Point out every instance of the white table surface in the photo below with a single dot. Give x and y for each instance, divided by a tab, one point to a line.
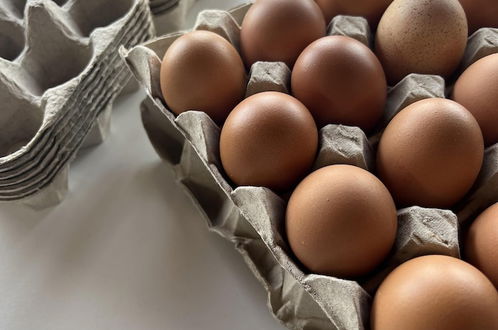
125	249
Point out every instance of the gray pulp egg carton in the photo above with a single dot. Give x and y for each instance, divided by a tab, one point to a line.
60	72
253	217
170	15
160	6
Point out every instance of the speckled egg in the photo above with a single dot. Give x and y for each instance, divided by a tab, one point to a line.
423	36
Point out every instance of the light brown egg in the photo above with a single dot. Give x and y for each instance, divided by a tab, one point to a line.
436	293
341	81
372	10
278	30
430	154
202	71
424	36
481	243
481	13
341	221
477	90
269	140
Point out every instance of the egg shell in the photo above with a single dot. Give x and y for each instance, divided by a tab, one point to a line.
341	221
341	81
437	293
481	243
477	90
278	30
430	153
372	10
480	13
202	71
425	36
270	139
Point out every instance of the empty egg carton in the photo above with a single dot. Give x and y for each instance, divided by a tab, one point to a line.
59	75
253	217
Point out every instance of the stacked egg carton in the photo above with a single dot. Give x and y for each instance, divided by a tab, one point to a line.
253	217
59	75
169	15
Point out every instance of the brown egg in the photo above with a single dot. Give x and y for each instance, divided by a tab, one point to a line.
269	140
481	244
477	90
481	13
202	71
341	221
340	81
436	293
372	10
278	30
425	36
430	153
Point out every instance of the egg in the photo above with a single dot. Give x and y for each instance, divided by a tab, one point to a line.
430	153
341	81
477	90
202	71
270	140
481	243
372	10
341	221
437	293
278	30
481	13
424	36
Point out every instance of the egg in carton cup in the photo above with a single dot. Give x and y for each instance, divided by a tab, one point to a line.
59	75
253	217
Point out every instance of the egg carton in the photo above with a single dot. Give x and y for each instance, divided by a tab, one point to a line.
170	15
253	217
60	72
160	6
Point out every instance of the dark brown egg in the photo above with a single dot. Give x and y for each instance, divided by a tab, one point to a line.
477	90
372	10
481	244
341	82
341	221
436	293
424	36
269	140
481	13
278	30
202	71
430	153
